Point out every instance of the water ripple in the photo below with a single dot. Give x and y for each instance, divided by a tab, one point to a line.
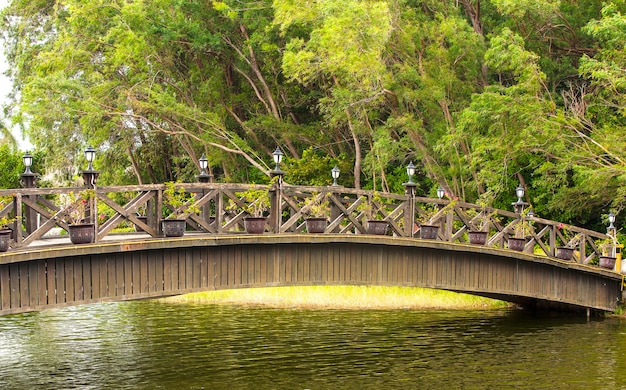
150	345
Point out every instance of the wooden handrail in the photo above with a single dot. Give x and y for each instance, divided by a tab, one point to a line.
349	210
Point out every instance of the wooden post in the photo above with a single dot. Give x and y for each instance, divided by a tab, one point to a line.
29	181
409	220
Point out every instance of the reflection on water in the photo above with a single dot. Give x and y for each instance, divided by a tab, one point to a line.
150	345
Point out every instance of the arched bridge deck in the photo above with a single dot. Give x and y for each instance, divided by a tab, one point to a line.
55	276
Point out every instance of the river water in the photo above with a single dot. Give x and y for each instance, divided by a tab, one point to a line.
153	345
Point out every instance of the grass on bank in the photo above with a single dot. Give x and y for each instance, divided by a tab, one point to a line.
342	297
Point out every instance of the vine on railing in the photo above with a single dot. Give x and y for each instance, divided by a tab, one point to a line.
219	208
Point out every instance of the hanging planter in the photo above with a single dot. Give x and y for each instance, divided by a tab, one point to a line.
316	225
173	227
478	238
429	232
83	233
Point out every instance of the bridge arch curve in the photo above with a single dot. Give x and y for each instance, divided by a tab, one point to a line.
159	267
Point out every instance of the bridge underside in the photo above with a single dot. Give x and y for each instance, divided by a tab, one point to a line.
163	267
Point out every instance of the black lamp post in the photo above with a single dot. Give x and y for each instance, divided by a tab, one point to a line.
519	205
278	158
335	174
28	180
28	177
90	175
409	189
204	177
611	229
276	193
440	192
410	171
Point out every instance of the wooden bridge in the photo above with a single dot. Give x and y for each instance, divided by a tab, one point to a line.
42	269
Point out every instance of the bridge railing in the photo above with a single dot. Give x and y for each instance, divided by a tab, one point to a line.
41	211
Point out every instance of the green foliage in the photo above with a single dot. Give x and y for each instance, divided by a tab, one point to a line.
255	202
11	167
316	205
477	98
313	168
180	202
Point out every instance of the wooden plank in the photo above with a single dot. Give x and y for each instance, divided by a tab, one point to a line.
5	290
282	266
24	285
160	270
167	270
51	284
188	268
305	255
288	260
128	273
204	267
143	272
263	255
87	279
152	278
14	275
223	267
211	267
78	279
177	283
104	276
235	274
119	275
111	283
33	279
257	268
95	277
70	294
251	260
60	281
245	265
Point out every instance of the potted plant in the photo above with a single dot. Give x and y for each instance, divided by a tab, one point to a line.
317	209
566	251
255	204
180	205
5	232
427	228
479	230
80	230
522	230
374	222
607	248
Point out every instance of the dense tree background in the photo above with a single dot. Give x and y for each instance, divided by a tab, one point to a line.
479	94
